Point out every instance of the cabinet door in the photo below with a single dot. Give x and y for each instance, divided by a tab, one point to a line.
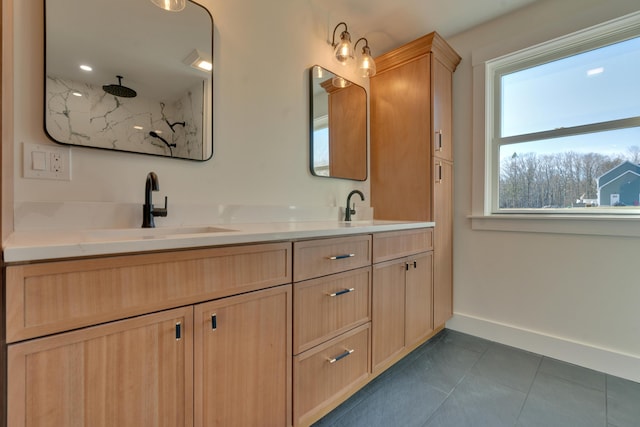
243	360
419	288
387	314
401	142
442	110
136	372
443	243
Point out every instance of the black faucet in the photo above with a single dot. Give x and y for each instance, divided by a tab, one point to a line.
148	211
349	211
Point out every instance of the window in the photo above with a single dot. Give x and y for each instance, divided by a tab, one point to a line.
563	125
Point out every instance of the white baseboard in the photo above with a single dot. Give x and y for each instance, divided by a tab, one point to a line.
600	359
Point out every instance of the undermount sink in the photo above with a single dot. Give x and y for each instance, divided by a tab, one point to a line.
152	233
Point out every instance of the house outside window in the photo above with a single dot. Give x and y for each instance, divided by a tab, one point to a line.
563	125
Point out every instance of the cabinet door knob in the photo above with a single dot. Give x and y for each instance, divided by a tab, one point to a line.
341	356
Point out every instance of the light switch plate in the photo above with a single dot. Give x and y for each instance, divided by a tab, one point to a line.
42	161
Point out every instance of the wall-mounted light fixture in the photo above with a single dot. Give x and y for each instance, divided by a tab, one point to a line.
366	64
170	5
343	51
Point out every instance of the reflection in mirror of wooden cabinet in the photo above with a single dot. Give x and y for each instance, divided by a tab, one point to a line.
338	124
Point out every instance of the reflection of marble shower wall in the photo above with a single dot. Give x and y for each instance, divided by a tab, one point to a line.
97	119
188	109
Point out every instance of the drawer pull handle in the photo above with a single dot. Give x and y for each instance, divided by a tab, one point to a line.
342	256
342	292
214	322
342	356
178	331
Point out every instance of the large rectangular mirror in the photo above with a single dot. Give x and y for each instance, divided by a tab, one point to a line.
338	126
124	75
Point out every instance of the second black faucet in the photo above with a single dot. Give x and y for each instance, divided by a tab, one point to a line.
349	211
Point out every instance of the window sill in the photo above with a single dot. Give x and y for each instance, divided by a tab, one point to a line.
596	225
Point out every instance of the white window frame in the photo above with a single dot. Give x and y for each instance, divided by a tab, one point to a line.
485	213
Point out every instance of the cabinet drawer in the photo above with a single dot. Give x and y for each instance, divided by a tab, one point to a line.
329	306
328	373
397	244
51	297
315	258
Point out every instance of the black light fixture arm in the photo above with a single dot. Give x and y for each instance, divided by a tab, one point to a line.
333	39
366	44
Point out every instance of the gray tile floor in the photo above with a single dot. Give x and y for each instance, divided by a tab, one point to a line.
457	380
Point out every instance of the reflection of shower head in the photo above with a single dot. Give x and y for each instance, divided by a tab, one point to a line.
119	90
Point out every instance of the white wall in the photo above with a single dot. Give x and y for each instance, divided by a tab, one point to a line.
262	51
573	297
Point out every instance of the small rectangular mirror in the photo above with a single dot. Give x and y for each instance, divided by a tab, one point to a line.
122	75
338	126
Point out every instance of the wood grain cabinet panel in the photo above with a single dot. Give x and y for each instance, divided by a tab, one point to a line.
396	244
327	374
412	148
243	360
129	373
320	257
329	306
402	307
387	315
51	297
443	243
419	298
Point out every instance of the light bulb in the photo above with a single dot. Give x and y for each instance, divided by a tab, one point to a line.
366	64
343	51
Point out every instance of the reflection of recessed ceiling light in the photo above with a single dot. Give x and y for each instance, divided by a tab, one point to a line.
138	127
595	71
76	94
199	61
86	68
205	65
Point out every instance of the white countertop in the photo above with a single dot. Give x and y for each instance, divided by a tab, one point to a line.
24	246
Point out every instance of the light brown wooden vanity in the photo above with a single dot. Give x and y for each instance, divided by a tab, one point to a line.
269	334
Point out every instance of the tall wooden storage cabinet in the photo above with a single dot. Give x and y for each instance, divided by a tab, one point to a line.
411	148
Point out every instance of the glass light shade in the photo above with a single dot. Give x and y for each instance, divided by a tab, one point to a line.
170	5
340	82
343	51
366	64
318	72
